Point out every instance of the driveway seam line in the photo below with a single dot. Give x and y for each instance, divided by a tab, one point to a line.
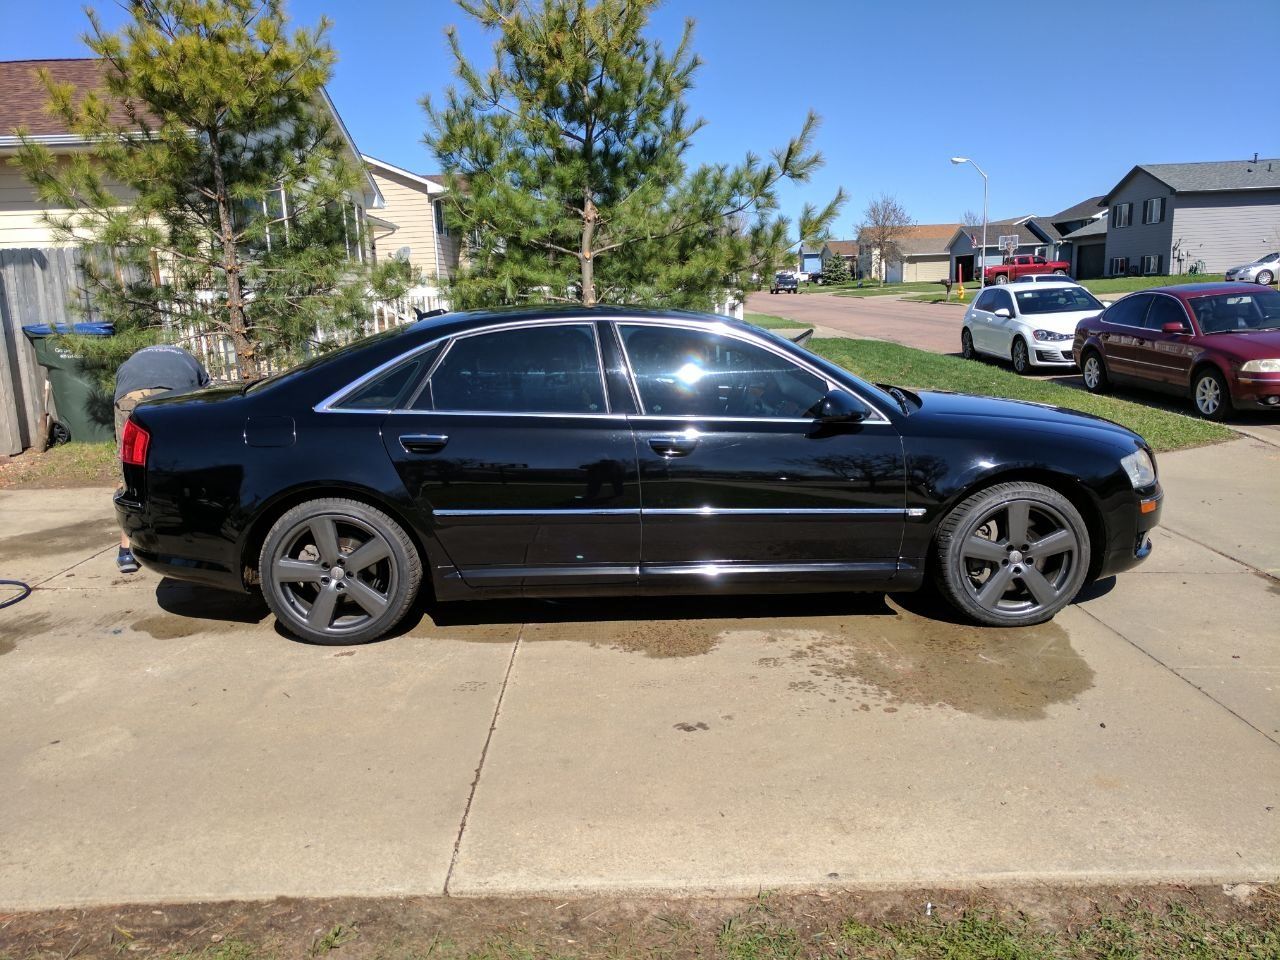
484	753
54	576
1244	563
1208	696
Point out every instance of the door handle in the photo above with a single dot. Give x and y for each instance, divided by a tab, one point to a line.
423	442
673	446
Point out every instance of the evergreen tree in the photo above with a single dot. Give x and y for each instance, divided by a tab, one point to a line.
566	162
221	202
835	269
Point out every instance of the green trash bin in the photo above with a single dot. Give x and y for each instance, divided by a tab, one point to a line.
85	410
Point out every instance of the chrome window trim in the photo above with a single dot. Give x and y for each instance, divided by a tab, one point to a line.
683	511
329	403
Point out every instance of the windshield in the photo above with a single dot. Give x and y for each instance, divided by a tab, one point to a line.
1238	312
1056	300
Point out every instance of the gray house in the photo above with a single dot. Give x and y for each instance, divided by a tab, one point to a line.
1166	217
1036	236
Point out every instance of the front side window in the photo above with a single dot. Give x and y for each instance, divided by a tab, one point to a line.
1000	299
550	369
693	373
1056	300
1165	310
985	300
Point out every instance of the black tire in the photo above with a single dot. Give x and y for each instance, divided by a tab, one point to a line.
773	291
983	570
1210	395
966	345
1094	372
1020	355
307	560
1265	277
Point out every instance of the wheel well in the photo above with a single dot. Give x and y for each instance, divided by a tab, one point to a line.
1070	489
263	523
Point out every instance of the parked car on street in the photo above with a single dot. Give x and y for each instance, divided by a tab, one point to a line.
608	451
1030	325
784	282
1264	270
1023	265
1216	343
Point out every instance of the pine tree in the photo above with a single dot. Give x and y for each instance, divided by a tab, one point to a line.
835	269
221	203
566	166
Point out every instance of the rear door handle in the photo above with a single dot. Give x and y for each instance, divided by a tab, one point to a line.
673	446
423	442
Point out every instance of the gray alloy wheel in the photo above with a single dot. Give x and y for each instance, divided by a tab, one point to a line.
1265	277
338	571
966	344
1021	359
1013	554
1094	373
1210	395
1001	278
1059	272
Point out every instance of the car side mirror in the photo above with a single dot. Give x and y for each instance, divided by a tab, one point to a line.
1175	326
838	406
1106	303
1003	312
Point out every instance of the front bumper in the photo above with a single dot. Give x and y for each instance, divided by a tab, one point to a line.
1129	541
1256	391
1052	354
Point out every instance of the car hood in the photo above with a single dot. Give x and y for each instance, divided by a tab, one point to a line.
946	408
1058	322
1241	347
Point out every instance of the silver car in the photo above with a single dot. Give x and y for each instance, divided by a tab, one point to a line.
1264	270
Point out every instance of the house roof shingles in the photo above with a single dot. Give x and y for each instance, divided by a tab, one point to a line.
1084	210
1094	228
1217	175
24	102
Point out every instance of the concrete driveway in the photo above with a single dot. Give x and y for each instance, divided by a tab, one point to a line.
163	742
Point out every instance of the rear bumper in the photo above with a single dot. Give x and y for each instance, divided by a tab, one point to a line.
171	555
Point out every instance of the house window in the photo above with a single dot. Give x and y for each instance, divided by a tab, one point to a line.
437	212
1153	210
1119	266
1122	215
1152	264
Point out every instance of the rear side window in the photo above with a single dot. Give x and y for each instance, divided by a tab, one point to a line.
1128	312
550	369
391	389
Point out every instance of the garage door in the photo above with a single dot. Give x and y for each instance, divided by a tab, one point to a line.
1089	261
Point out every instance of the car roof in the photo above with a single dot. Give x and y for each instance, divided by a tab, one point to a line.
1050	284
1186	290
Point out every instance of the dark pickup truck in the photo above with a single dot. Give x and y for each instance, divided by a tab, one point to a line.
784	283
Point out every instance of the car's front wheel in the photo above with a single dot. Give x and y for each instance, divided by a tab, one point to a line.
966	345
1021	357
1210	394
1012	555
1094	373
1265	277
338	571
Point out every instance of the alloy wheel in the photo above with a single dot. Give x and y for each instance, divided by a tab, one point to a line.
1021	361
334	573
966	344
1265	277
1092	372
1208	395
1020	558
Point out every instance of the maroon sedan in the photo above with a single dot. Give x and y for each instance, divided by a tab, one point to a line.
1212	342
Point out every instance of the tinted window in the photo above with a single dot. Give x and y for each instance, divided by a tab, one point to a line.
693	373
1056	300
1165	310
1129	311
984	300
1000	298
1230	312
391	389
552	369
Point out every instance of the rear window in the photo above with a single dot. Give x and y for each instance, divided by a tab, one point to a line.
1056	300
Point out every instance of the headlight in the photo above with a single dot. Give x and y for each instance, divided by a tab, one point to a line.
1050	336
1140	468
1261	366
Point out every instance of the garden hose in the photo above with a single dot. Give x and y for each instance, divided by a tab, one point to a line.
24	591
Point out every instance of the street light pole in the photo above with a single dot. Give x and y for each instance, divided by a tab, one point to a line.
982	276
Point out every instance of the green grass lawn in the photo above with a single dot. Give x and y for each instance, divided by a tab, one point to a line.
881	290
882	362
770	322
1129	284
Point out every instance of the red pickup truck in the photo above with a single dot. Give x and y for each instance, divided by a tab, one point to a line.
1022	265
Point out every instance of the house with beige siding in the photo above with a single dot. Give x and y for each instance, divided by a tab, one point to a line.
920	256
417	230
1167	217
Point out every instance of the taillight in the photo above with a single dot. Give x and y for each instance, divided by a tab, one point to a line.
134	444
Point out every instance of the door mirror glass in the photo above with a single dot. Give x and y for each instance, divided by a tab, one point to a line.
1004	312
838	406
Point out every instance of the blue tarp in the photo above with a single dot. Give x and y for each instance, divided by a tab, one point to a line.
96	329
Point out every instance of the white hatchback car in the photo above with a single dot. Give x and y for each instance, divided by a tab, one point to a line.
1031	325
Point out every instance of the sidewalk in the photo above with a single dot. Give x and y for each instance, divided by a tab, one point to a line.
167	743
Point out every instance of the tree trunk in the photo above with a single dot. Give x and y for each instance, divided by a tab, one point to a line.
238	325
585	257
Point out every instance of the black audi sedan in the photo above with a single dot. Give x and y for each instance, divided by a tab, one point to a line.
609	451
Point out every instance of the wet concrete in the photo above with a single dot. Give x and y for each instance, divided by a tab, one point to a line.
67	538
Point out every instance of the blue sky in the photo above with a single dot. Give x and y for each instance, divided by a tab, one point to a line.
1056	100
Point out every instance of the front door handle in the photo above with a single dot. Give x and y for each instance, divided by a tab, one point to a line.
677	446
423	442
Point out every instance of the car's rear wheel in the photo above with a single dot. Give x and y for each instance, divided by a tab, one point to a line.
1001	278
1094	373
338	571
1059	272
1265	277
1210	395
1012	555
1021	357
